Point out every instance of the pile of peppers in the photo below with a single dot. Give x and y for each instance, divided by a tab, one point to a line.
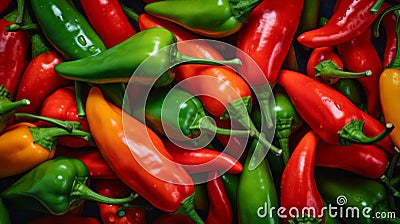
75	149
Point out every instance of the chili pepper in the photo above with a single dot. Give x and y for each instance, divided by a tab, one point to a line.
256	192
201	201
64	219
299	174
61	104
220	208
202	160
349	19
55	187
209	18
352	89
39	76
118	63
326	66
290	61
358	55
112	213
4	216
367	195
97	166
389	22
174	195
7	107
231	182
172	219
365	160
330	114
67	29
13	49
309	16
267	34
32	145
4	4
108	20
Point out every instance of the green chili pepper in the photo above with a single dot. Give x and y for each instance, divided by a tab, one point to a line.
231	182
56	187
353	90
7	107
4	216
211	18
328	218
117	64
66	28
201	201
350	192
309	16
256	192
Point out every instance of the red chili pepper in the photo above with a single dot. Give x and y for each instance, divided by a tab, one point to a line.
349	19
4	4
365	160
389	22
172	219
61	105
298	187
64	219
108	20
359	55
97	166
13	49
202	160
39	76
325	65
329	113
112	213
220	208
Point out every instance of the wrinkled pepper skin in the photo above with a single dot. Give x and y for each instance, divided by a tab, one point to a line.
67	29
54	187
4	215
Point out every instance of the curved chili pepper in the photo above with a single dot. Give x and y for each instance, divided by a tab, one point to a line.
326	66
231	182
365	160
352	89
8	107
4	4
358	55
211	18
298	186
64	219
110	213
220	208
330	114
39	76
109	21
172	219
202	160
61	104
349	19
13	49
174	195
389	22
97	166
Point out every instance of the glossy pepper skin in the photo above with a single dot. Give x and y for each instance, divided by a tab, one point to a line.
13	49
299	174
220	208
4	215
66	28
108	20
64	219
54	187
330	114
353	90
349	20
210	18
310	15
167	196
389	21
364	160
8	107
39	76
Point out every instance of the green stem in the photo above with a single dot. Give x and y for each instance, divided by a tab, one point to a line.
5	93
187	208
67	125
205	124
375	29
38	45
392	189
16	27
241	9
264	98
352	133
395	63
284	143
186	59
392	166
21	10
130	12
78	97
375	8
328	69
8	106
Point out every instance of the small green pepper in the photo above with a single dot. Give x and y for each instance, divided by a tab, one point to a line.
56	187
7	107
353	90
4	216
155	47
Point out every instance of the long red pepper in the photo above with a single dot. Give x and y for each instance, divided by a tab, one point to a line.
349	19
13	49
203	160
298	187
112	213
358	55
220	208
39	76
365	160
329	113
109	21
389	21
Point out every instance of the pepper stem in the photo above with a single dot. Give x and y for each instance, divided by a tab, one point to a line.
352	133
67	125
78	97
283	131
241	9
205	124
81	190
264	97
21	10
130	12
5	93
38	45
328	69
16	27
375	8
187	208
8	106
391	188
186	59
